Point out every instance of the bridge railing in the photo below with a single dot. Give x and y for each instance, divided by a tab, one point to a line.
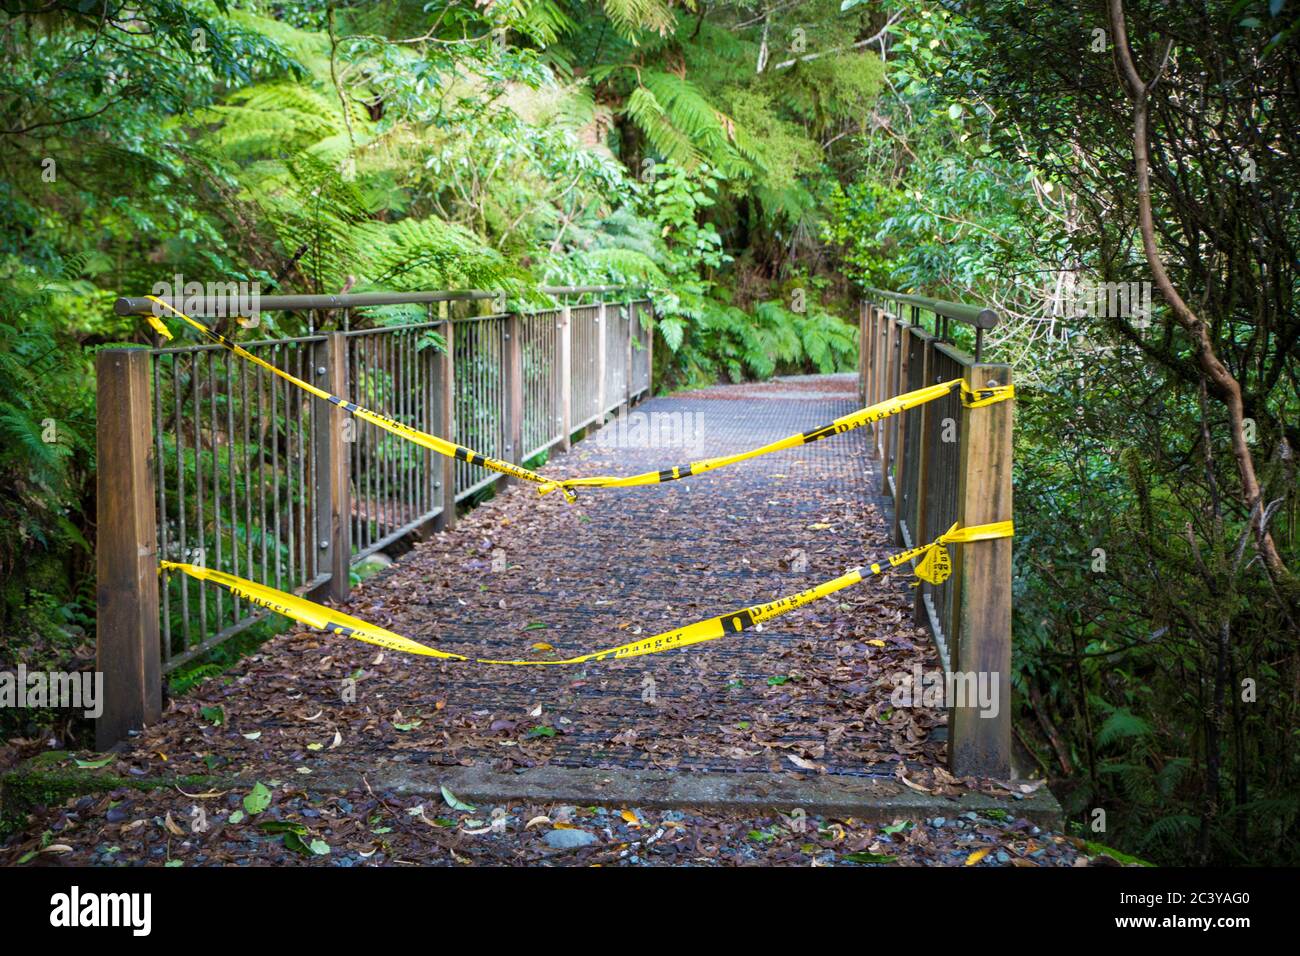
943	463
207	459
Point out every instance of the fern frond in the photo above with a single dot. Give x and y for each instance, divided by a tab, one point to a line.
1120	725
631	16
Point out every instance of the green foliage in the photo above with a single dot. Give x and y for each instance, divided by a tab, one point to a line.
998	168
313	147
721	157
707	339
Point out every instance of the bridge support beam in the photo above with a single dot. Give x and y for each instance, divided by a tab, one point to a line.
512	377
602	330
128	652
979	739
335	430
565	346
446	402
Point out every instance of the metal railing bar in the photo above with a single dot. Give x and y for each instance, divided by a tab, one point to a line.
395	535
217	306
260	343
978	316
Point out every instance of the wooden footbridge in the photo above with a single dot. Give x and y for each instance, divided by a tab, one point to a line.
206	459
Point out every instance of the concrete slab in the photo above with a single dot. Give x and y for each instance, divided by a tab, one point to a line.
869	799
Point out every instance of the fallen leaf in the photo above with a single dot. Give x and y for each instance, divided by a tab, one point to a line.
454	803
257	799
803	764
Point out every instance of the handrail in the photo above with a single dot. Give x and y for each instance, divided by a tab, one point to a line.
203	306
946	462
977	316
203	459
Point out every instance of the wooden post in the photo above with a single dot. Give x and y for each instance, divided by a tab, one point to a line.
512	374
901	444
447	415
566	377
335	431
627	360
862	353
889	367
128	652
650	354
928	429
980	744
601	323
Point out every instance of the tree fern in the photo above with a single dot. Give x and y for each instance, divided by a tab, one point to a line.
1122	724
628	266
644	109
631	16
430	254
275	118
684	127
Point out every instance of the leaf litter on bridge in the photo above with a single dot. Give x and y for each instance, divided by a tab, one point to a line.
523	577
297	826
810	693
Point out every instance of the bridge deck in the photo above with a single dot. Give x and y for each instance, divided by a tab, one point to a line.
745	735
807	694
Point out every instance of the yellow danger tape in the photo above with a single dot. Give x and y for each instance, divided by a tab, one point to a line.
307	612
846	423
972	398
991	395
935	566
421	438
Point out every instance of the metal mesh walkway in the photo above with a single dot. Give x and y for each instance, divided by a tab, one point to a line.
809	693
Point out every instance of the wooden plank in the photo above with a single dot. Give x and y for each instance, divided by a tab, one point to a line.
878	378
565	333
650	354
927	429
513	379
889	387
978	743
601	324
863	342
901	450
337	428
128	652
627	359
868	385
447	415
